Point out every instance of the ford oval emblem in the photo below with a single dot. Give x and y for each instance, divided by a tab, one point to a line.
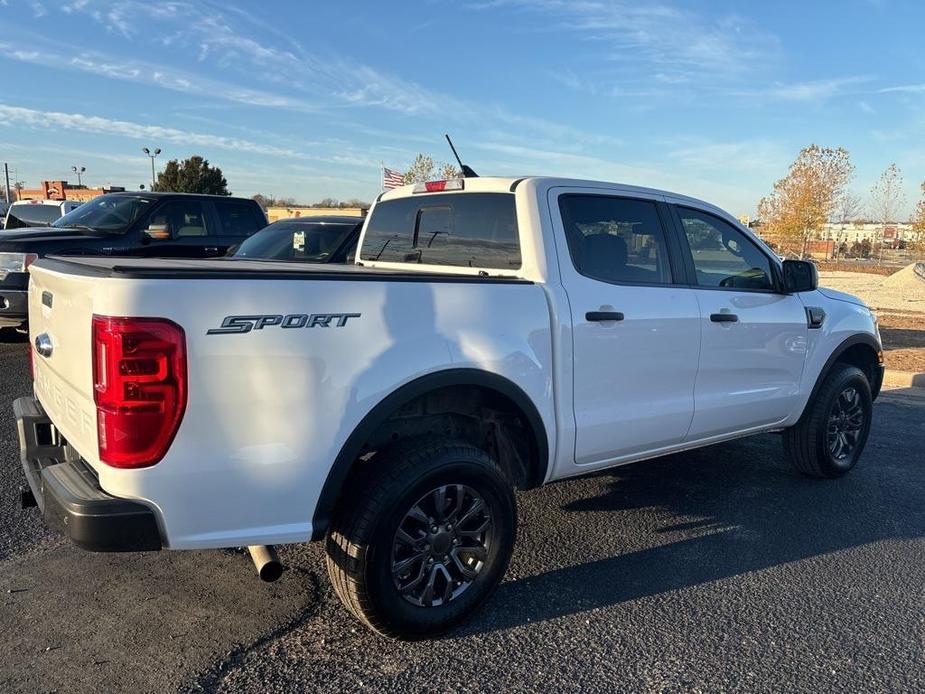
43	345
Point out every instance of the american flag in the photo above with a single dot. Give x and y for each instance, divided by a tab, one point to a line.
391	179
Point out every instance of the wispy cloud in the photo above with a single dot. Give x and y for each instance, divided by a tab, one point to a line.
659	38
905	89
44	120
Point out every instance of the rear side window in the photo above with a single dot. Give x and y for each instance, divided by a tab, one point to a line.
617	240
457	229
32	215
239	218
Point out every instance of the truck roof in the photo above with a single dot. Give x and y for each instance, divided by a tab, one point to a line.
502	184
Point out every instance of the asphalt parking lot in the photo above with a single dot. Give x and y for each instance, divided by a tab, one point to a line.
716	570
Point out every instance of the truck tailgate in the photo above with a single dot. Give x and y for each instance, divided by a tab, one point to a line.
60	316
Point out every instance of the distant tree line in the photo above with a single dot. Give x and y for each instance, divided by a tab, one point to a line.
266	201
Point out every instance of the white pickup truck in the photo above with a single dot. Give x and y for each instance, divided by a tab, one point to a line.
494	334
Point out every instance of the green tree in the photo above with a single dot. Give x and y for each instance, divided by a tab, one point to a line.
193	175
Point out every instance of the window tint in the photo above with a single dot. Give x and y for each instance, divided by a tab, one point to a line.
108	212
615	239
177	219
238	218
460	229
723	255
32	215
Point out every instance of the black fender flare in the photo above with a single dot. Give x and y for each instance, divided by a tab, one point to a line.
844	346
353	447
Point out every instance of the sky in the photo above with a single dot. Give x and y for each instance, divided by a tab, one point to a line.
306	99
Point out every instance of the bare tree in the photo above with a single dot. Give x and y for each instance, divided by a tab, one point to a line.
849	208
886	199
918	226
423	169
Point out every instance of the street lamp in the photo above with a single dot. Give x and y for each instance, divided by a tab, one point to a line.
153	156
78	170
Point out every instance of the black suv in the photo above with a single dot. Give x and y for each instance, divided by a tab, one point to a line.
154	225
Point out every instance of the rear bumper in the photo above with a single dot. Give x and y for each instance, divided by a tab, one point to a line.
69	495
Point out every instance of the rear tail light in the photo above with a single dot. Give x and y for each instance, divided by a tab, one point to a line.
139	386
28	259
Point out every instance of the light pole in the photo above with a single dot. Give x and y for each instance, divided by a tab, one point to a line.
78	170
153	156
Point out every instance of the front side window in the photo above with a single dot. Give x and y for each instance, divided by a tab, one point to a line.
723	255
457	229
177	219
616	240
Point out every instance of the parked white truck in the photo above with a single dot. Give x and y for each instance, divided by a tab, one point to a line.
494	334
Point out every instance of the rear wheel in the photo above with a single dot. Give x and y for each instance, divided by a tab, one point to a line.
424	537
831	435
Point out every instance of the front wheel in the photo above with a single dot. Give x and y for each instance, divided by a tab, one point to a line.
422	539
831	435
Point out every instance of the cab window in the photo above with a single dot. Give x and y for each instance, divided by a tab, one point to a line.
177	219
618	240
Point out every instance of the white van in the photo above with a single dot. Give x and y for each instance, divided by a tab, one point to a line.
37	213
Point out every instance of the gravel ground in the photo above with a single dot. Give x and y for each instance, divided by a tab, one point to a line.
713	570
877	291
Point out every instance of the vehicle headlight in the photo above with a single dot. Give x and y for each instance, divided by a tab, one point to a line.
16	262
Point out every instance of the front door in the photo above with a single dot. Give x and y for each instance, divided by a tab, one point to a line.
754	337
636	333
179	228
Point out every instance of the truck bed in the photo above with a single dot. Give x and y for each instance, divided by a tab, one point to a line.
233	268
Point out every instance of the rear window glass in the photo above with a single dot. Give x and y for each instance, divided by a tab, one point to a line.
458	229
32	215
297	241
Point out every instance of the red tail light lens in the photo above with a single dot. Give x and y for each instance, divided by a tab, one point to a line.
139	385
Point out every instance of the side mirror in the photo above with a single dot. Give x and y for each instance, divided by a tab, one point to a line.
800	276
158	231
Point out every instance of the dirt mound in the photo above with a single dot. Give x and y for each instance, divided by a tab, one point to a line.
911	277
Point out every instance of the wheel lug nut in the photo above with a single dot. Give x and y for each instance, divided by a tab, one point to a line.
433	529
455	541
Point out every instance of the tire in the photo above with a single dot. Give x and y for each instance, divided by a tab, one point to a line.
812	444
399	490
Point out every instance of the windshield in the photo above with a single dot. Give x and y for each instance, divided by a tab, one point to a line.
286	240
110	213
28	215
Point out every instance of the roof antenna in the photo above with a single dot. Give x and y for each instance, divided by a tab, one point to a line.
466	171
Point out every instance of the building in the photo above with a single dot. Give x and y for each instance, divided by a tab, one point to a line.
62	190
893	233
274	214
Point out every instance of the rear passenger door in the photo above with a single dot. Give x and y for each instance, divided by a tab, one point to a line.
635	327
754	337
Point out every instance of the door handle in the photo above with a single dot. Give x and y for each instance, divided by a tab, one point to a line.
599	316
724	318
211	249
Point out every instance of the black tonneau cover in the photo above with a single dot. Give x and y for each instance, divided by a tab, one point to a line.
243	269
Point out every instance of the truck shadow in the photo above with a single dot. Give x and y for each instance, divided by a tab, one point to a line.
725	511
